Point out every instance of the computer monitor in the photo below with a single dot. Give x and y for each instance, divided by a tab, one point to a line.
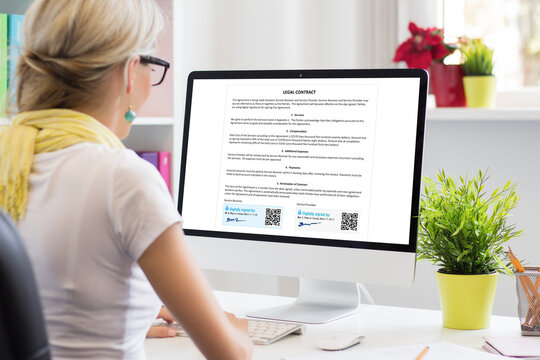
306	173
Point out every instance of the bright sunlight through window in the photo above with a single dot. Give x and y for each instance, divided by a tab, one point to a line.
511	27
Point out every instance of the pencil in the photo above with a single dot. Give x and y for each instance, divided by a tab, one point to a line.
421	355
514	260
537	282
533	314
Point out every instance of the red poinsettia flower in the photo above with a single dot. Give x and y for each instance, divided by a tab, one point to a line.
423	47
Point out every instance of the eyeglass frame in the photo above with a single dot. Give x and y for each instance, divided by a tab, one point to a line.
148	59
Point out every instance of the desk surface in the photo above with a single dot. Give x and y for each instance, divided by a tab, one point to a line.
382	326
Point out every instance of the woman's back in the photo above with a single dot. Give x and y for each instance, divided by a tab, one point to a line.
93	215
92	212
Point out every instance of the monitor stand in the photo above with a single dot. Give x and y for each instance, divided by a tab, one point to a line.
318	302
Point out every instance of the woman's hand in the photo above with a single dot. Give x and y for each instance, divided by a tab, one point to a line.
162	331
240	324
181	285
165	315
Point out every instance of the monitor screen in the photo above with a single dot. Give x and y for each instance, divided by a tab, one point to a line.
319	157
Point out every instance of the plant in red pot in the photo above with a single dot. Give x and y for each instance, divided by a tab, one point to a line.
426	49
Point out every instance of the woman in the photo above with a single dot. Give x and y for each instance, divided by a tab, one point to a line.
98	222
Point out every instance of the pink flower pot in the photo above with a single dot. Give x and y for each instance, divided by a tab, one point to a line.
447	85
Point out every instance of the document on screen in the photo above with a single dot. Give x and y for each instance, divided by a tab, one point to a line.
297	160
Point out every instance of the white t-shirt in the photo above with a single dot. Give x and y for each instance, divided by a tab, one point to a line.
92	212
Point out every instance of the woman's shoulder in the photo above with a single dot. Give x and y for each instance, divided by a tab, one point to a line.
86	150
88	153
97	158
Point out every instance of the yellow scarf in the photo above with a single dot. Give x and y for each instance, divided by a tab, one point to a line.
36	132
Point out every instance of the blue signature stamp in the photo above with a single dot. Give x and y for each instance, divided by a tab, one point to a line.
259	216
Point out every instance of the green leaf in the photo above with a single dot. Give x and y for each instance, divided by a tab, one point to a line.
455	230
478	59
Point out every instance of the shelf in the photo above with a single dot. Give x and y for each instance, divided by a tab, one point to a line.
144	121
472	114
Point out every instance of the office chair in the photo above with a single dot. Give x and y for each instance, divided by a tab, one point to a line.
22	328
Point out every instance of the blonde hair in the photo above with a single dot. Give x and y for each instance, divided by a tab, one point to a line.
70	46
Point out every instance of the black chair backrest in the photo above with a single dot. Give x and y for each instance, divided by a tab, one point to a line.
22	328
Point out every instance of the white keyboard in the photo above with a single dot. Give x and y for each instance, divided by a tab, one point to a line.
261	332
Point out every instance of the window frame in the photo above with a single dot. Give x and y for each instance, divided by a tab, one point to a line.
431	14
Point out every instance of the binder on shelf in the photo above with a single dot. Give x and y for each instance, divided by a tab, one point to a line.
151	157
15	43
3	62
164	167
162	161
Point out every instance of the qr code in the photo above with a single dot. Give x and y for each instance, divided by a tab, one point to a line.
349	221
273	217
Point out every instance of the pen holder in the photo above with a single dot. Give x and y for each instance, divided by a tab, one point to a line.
527	285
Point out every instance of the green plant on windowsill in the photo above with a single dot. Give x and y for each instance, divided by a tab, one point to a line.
479	82
477	58
463	230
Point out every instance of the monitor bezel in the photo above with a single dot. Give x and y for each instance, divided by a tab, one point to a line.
294	74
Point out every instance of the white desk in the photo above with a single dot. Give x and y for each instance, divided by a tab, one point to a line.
382	326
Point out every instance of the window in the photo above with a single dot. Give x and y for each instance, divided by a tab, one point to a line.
511	27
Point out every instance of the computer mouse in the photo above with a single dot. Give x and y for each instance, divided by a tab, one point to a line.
338	341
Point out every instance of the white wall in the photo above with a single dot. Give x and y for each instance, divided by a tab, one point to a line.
280	34
511	151
286	34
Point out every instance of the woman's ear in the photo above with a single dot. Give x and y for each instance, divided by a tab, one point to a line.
131	73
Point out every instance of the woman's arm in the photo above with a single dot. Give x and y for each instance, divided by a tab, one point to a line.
182	287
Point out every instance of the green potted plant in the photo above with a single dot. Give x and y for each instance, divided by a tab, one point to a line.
463	229
479	82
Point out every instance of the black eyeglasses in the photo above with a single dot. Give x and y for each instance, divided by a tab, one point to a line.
159	68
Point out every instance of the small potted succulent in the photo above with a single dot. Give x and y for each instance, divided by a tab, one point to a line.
463	229
479	82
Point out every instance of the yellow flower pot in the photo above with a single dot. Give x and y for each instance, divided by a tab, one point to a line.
480	91
466	300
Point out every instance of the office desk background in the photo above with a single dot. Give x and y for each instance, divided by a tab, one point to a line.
382	326
460	141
